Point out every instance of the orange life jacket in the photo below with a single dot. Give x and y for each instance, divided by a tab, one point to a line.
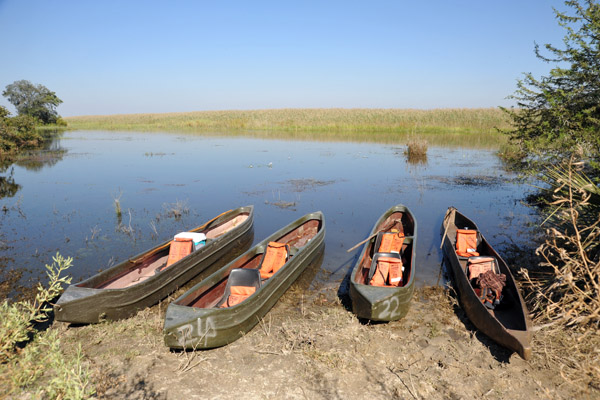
179	249
274	258
388	272
466	242
391	242
238	294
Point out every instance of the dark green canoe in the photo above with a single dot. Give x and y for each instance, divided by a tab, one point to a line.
195	321
142	281
386	303
508	324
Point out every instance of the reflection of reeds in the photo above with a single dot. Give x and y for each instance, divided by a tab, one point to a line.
416	150
475	127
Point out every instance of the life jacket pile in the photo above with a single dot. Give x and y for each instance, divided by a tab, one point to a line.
486	279
388	270
466	242
388	273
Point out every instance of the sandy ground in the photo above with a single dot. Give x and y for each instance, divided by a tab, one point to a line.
317	349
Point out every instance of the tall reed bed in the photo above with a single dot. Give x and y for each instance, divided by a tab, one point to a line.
484	120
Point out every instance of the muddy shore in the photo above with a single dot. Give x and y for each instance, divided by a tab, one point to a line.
313	348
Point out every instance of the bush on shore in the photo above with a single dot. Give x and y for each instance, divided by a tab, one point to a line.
31	362
19	133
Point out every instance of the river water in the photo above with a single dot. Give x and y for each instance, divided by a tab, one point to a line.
68	204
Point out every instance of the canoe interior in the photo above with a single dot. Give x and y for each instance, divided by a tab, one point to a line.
509	311
296	238
149	264
402	221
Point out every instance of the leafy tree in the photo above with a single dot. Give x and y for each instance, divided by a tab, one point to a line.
36	101
559	115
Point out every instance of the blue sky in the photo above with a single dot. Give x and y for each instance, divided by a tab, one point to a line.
114	57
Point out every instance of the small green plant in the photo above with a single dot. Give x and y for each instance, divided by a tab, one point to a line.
18	318
32	364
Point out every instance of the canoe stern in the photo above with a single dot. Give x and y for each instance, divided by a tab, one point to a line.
380	304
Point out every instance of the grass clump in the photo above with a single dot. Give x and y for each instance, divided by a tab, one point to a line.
117	203
31	362
176	210
416	150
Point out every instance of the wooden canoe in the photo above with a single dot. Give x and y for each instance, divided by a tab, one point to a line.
143	280
195	320
387	303
508	324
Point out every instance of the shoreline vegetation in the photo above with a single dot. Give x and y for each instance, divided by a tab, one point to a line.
477	127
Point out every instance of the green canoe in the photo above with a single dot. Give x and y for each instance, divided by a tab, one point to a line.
195	320
143	280
508	324
385	303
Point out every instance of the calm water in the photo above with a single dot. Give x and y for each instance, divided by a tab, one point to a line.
68	205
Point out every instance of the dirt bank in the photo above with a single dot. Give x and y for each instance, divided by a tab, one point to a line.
315	348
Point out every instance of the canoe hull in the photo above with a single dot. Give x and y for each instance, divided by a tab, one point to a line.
510	325
84	304
383	303
189	327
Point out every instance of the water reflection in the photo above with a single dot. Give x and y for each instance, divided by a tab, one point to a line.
8	187
416	159
69	205
34	160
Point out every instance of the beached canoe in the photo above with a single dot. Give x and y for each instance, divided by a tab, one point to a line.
145	279
389	302
508	323
203	317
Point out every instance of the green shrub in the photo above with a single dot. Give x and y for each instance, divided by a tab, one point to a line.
60	122
31	362
18	318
